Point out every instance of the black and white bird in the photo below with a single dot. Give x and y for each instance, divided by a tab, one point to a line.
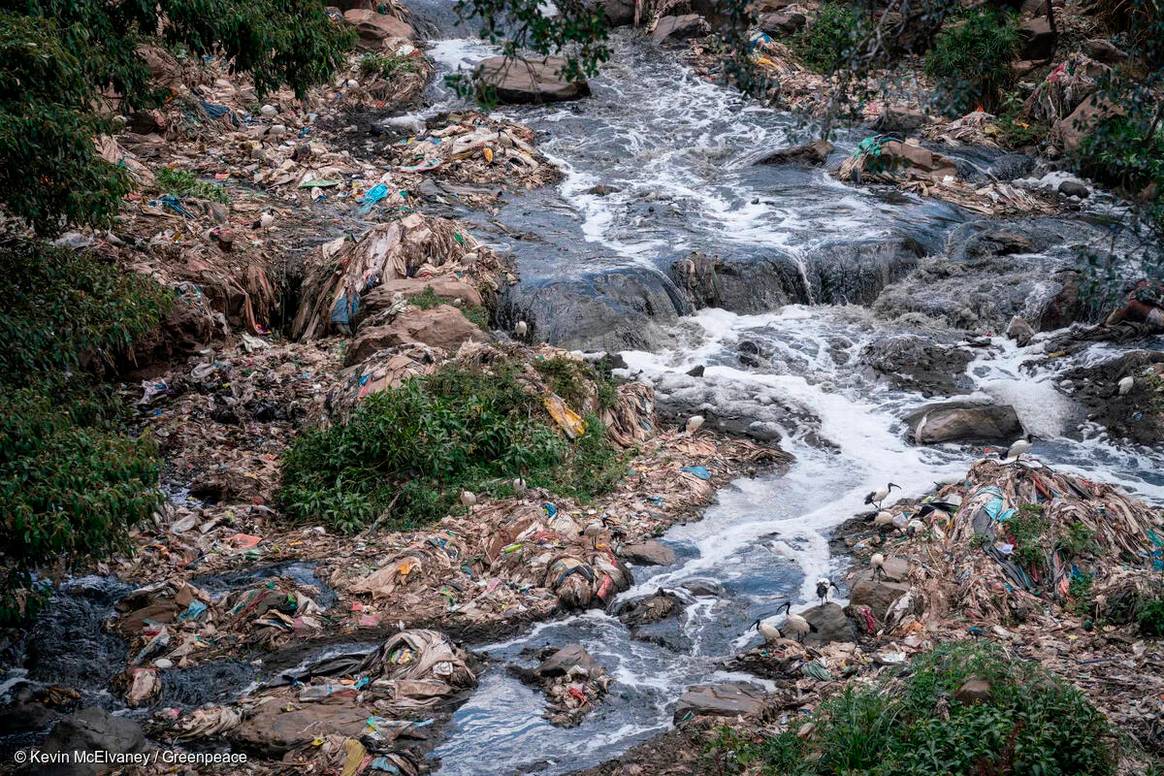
823	585
1019	447
769	631
795	624
876	497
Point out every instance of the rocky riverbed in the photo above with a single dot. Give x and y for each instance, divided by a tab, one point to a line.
777	340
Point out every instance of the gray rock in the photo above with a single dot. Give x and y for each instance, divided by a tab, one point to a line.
618	12
878	595
829	623
814	153
534	80
561	662
1019	330
973	691
704	588
1074	189
674	28
1104	51
650	609
899	119
93	729
730	699
648	553
919	363
786	21
962	421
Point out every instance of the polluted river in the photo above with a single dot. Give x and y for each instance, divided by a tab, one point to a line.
660	164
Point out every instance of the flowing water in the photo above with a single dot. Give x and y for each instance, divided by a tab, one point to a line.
677	155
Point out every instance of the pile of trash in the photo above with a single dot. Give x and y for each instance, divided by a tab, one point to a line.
474	148
573	681
348	282
361	708
909	166
977	128
1068	84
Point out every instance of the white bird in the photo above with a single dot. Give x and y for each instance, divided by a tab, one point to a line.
266	219
1126	385
519	486
823	584
877	563
1019	448
520	329
597	528
468	498
915	526
794	623
883	519
694	423
767	630
879	495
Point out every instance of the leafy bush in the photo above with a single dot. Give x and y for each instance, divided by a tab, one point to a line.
970	59
830	40
1026	530
385	66
571	379
183	183
1128	152
1079	589
1030	723
404	455
71	484
1079	540
1150	617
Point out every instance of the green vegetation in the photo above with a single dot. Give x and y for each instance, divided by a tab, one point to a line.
1150	617
57	57
831	39
403	457
71	483
572	379
1018	130
183	183
385	66
427	299
1026	530
1079	589
1079	540
970	59
1128	152
1030	722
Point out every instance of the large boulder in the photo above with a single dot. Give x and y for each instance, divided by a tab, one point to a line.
374	30
648	553
784	22
729	699
530	80
1037	39
1071	131
878	594
442	327
618	12
674	28
963	421
829	623
919	363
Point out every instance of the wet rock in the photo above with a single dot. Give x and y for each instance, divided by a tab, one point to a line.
650	609
443	326
729	406
649	553
534	80
90	730
730	699
602	190
675	28
878	594
814	153
568	659
1036	39
1136	415
920	364
630	308
697	370
1020	331
703	588
973	691
1074	189
829	623
1010	166
963	421
572	680
374	30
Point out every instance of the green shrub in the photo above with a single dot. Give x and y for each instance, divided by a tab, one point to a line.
1027	529
1030	723
571	379
404	455
1078	540
970	59
1079	589
1123	152
831	39
474	313
1150	617
385	66
72	485
183	183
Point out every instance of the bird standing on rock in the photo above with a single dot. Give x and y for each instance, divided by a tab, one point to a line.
877	563
822	589
1126	385
879	495
794	623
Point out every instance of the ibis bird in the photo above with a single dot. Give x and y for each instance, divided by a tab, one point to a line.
884	519
1019	447
595	528
915	526
694	423
767	630
519	486
879	495
794	623
520	329
1126	385
877	563
468	498
822	589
